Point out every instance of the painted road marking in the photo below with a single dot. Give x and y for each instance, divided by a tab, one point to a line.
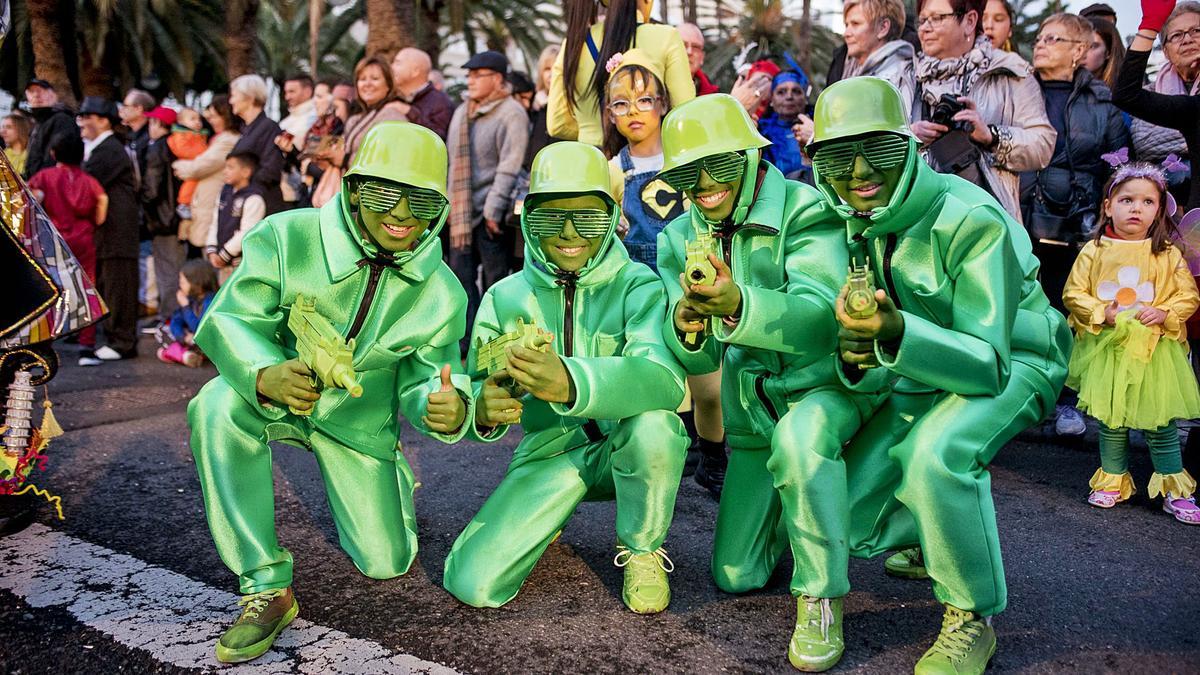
173	617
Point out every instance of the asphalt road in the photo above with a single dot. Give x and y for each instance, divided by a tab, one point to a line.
1090	590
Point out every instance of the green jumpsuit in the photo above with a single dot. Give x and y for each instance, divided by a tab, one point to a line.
982	357
620	439
786	413
406	313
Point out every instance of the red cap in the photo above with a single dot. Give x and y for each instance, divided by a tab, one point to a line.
162	114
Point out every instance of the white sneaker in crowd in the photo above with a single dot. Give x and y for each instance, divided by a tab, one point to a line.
87	358
107	353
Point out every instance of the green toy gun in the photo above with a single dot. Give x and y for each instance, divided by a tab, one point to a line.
860	297
698	270
322	349
493	356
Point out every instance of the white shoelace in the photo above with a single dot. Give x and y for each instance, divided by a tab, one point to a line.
624	555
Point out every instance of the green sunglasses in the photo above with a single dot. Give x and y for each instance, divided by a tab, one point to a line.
723	168
836	160
589	223
423	203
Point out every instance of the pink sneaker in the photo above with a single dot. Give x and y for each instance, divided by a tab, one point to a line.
1183	508
1105	499
174	353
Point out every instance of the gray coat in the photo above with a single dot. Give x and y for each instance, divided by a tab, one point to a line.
498	140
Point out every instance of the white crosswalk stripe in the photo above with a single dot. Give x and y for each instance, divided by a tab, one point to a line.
174	618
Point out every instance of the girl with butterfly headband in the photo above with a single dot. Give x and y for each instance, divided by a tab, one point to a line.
1129	295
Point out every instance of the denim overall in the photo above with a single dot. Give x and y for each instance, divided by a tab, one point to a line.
649	204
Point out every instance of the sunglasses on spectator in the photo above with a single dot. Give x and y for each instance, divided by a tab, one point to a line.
725	167
622	107
1177	36
836	160
423	203
544	223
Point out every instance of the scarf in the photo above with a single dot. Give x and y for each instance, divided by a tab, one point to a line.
461	221
953	76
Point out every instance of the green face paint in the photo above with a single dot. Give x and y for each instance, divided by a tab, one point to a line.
385	213
716	200
866	187
567	249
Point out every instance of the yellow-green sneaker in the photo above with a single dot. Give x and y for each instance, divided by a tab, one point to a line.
817	643
964	647
907	563
263	616
646	588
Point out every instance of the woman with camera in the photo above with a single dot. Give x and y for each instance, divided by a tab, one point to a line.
979	111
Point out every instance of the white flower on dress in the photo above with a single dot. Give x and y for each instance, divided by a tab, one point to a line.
1128	290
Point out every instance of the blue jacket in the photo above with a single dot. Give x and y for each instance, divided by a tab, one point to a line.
186	319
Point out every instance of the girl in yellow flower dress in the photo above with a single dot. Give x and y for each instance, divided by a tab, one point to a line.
1129	294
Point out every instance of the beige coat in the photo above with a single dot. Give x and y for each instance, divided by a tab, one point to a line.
207	168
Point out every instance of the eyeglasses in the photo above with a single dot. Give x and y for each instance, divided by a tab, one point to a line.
589	223
723	168
934	20
622	107
1177	36
423	203
836	160
1051	40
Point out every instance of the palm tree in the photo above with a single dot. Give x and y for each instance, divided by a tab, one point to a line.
49	62
241	17
389	26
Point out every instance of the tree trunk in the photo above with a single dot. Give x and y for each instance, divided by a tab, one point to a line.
389	27
316	10
691	13
48	61
806	36
427	36
95	79
241	17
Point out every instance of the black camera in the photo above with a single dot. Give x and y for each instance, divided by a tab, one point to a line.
945	109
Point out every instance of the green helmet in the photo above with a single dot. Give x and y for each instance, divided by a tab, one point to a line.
858	106
707	125
570	167
405	153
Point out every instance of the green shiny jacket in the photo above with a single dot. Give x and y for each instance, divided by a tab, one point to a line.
406	313
789	259
964	276
607	325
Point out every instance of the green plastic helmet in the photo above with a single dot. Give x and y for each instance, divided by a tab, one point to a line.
405	153
857	106
707	125
570	167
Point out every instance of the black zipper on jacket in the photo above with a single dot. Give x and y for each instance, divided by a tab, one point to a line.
364	305
567	282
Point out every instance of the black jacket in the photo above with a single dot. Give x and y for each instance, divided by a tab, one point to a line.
1092	127
259	137
1180	112
432	109
109	164
159	190
52	124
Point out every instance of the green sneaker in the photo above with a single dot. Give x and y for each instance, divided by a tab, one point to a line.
817	643
907	563
646	589
264	615
965	645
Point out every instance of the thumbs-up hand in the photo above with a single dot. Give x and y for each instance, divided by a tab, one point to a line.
722	298
445	411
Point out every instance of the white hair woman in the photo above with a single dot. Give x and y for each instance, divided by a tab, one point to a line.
248	97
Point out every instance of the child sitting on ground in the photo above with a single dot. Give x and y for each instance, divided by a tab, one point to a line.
197	286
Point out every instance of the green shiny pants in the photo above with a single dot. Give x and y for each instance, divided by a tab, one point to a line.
371	499
789	491
936	488
639	464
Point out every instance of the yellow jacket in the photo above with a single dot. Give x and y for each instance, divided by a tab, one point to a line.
660	42
1132	275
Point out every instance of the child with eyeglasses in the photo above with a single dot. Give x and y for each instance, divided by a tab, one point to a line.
767	320
571	349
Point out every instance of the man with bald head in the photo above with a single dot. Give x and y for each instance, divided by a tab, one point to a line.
693	44
428	106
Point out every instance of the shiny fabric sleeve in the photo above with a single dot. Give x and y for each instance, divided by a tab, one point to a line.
971	356
1087	311
705	357
419	374
800	320
560	119
645	376
1184	298
486	329
238	330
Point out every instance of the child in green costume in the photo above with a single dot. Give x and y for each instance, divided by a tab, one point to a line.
371	260
962	325
779	261
596	405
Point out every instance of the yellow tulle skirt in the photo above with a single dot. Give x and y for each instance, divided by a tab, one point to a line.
1127	377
